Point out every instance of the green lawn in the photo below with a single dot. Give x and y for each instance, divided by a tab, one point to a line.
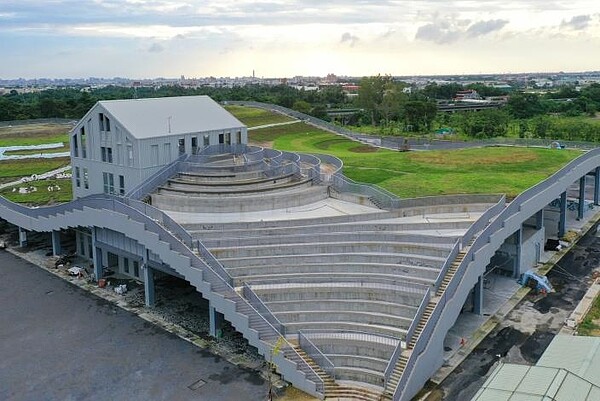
254	117
506	170
11	170
590	326
42	196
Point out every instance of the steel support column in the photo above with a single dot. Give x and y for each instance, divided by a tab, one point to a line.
581	208
216	321
56	248
22	237
478	297
148	284
597	186
96	257
539	219
518	246
562	222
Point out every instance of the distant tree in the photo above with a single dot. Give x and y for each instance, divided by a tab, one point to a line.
442	92
525	105
302	106
488	123
419	115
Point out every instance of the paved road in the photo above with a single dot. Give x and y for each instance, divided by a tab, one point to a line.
58	342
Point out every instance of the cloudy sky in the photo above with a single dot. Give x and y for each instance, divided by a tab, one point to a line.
276	38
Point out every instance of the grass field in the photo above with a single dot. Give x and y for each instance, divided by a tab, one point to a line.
34	134
42	196
254	117
481	170
591	323
11	170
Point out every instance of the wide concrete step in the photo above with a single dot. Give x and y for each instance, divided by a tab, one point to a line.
360	375
379	222
331	247
358	361
233	190
294	278
231	180
324	258
345	392
355	343
315	316
216	177
405	311
402	294
440	216
415	273
240	204
445	242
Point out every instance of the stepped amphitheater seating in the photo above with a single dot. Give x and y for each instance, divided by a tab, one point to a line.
350	282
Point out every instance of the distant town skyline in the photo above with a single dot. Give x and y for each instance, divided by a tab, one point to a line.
286	38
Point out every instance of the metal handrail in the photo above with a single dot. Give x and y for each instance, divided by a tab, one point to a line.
263	309
315	354
156	179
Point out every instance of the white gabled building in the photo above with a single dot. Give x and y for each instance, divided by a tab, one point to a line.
120	143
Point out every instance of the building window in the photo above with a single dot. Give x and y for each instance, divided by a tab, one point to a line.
75	146
194	145
86	183
119	154
83	142
106	154
107	124
154	154
129	155
181	144
167	151
221	138
101	121
228	138
136	268
126	265
109	183
77	177
121	185
206	140
239	136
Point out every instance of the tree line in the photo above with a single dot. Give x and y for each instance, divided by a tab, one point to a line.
394	107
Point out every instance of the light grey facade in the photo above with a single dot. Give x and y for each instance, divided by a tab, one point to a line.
120	143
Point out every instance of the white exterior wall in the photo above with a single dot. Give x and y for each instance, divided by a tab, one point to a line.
146	159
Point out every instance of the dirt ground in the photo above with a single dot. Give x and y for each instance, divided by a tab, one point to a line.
34	129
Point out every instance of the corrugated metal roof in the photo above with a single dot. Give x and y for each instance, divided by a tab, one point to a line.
567	371
580	355
149	118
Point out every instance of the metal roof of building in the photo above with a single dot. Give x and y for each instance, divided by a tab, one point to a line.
567	371
155	117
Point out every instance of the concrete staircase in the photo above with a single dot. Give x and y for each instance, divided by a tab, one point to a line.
396	374
335	391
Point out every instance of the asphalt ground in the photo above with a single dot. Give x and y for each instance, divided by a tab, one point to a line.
58	342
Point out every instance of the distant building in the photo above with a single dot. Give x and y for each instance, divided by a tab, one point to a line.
120	143
466	95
